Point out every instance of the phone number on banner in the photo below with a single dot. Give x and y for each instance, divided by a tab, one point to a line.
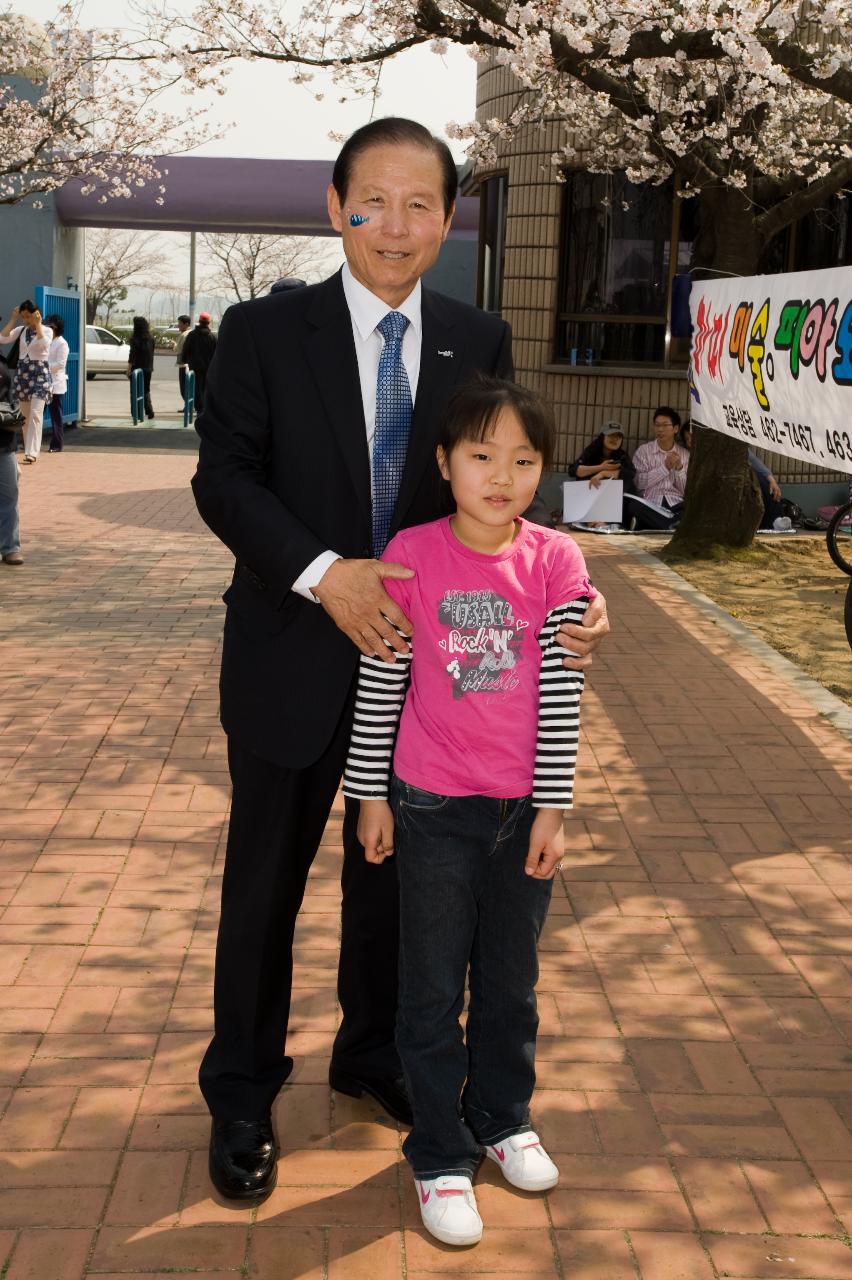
763	430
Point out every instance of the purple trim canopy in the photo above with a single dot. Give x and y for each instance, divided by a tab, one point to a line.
222	193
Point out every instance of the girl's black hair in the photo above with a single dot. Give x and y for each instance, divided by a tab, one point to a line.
685	426
28	305
140	327
57	324
473	409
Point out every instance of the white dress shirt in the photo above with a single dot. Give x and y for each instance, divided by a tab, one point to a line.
366	312
58	360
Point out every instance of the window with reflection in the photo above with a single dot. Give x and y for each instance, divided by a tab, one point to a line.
617	270
492	241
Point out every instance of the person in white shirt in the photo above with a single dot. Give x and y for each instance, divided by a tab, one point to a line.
57	360
32	385
661	469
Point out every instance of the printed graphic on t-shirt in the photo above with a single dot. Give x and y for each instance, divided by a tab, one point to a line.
483	642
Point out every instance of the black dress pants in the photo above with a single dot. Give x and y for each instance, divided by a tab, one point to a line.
277	820
200	386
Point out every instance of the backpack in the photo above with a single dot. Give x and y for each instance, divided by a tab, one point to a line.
793	511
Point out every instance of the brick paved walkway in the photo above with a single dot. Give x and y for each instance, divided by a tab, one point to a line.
696	1071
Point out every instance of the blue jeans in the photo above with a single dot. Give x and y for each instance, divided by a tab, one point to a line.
10	525
465	903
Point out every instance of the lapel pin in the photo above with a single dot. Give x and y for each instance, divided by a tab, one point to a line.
447	354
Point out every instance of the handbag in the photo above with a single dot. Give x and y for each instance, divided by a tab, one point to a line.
14	352
11	420
9	417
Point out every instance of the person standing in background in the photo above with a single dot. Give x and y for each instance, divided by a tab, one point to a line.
57	360
142	357
10	525
183	323
198	348
31	387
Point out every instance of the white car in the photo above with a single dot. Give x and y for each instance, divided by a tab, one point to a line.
105	352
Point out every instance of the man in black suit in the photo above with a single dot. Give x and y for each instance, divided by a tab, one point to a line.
284	479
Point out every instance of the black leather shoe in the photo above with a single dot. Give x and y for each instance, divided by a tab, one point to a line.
243	1155
388	1091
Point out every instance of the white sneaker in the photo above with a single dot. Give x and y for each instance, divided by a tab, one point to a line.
448	1209
524	1162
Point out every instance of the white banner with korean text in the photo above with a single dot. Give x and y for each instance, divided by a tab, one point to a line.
772	362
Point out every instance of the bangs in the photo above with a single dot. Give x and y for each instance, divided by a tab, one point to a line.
473	409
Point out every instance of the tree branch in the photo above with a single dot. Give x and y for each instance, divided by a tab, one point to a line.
699	46
804	200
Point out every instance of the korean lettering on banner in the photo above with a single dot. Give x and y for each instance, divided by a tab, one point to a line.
772	362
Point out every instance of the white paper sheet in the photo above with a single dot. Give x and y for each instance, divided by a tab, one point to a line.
582	502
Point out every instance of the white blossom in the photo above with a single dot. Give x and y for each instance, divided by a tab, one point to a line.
70	109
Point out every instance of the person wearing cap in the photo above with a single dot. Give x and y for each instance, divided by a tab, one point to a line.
605	459
198	348
286	283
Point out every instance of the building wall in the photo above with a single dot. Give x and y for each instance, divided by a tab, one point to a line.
455	271
37	248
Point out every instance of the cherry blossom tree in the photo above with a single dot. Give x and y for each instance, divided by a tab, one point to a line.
114	259
246	266
73	106
747	105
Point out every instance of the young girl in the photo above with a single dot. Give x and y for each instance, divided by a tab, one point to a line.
483	767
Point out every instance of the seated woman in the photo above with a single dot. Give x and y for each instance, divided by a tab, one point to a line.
605	459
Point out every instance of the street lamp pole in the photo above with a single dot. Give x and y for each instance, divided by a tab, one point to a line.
191	277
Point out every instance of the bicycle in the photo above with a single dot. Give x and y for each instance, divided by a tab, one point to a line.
838	537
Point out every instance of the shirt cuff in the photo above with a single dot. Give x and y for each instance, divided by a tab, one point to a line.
310	577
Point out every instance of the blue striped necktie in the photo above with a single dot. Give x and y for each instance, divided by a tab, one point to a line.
393	421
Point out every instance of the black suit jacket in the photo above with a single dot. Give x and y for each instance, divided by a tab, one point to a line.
284	474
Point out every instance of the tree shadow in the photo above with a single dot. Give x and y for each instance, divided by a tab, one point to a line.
159	510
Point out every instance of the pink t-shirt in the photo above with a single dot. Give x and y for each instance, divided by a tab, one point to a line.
470	718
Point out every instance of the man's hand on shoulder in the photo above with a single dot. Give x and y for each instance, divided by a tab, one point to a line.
352	594
581	641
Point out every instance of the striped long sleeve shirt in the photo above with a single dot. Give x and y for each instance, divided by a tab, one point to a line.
382	688
482	703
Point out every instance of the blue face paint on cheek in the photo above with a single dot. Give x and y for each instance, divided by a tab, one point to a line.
357	219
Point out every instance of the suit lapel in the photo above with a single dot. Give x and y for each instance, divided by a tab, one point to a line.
330	352
441	359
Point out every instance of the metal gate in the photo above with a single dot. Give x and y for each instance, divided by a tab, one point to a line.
66	303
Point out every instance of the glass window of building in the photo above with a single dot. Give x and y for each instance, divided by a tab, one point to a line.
617	269
492	241
622	298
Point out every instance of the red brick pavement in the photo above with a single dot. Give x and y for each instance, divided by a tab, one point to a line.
696	1072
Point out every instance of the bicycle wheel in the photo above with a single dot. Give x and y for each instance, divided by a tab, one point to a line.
838	538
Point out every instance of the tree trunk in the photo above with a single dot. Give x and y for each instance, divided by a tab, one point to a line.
722	504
